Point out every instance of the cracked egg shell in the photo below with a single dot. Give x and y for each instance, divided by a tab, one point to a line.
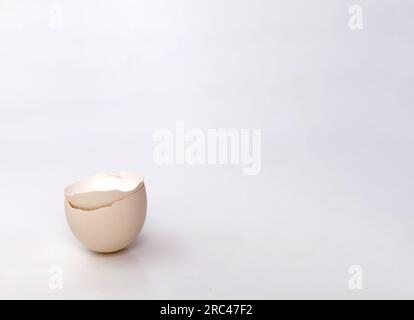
106	212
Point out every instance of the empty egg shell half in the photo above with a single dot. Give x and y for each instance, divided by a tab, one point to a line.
106	212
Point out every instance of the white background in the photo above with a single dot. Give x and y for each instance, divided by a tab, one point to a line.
335	107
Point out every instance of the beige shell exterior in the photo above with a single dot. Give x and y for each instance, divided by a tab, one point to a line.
110	228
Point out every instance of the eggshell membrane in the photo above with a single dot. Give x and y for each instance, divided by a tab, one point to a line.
102	190
112	228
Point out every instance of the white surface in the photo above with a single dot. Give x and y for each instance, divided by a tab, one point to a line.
335	107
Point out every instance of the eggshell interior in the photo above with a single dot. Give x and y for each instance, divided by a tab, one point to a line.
102	190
